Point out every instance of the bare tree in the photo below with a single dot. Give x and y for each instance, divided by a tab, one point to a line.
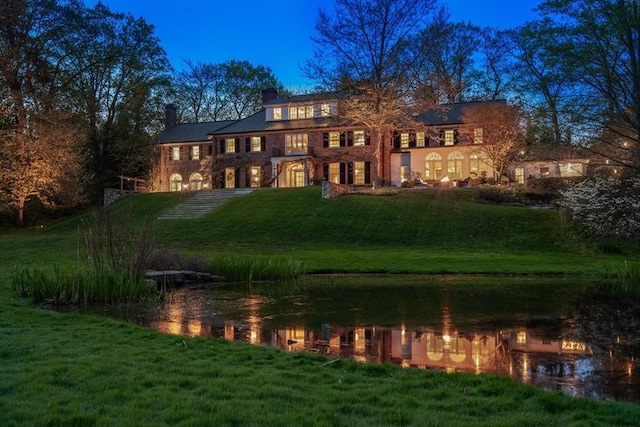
364	48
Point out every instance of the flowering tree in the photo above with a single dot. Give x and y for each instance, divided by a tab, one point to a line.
604	208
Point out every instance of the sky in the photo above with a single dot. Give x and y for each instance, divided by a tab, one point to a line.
274	33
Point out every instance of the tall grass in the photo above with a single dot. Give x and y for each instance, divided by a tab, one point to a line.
113	255
622	278
249	269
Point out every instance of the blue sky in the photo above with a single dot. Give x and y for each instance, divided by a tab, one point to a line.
274	33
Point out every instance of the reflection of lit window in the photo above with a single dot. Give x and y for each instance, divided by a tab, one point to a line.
521	338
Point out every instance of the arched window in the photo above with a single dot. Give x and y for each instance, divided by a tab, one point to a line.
477	165
175	182
433	166
195	181
454	165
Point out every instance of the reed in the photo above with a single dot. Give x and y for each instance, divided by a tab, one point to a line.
250	269
622	278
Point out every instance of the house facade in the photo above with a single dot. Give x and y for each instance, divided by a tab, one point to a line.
302	140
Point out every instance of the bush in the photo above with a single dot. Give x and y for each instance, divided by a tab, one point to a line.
546	190
603	208
495	195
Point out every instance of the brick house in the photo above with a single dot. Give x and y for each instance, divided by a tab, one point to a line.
302	140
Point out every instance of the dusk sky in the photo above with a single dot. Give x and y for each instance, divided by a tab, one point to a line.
274	33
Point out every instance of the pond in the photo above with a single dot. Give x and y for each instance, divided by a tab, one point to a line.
552	333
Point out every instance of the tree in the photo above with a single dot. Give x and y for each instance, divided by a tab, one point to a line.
603	46
364	49
38	137
500	127
116	68
227	91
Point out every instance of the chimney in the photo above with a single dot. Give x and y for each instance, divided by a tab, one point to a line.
269	94
170	116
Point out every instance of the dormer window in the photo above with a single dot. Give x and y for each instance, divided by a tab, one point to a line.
477	136
325	110
277	113
300	111
449	137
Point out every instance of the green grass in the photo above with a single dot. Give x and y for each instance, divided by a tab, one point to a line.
66	369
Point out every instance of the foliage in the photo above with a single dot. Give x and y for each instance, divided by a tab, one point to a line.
228	91
249	269
622	278
604	208
496	195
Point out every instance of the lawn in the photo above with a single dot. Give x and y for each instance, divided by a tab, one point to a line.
65	369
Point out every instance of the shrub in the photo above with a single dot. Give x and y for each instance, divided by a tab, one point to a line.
495	195
603	208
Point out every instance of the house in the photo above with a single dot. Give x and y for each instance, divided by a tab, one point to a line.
302	140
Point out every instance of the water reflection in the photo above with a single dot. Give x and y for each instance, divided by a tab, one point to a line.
582	352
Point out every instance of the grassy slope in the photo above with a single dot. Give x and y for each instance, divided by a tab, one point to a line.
70	370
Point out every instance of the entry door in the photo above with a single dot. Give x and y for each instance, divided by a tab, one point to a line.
230	178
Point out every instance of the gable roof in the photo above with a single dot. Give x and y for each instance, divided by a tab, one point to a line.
450	114
308	97
191	132
258	123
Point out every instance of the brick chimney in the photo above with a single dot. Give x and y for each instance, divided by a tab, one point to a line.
170	116
269	94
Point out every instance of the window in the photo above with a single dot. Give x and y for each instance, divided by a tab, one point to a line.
230	145
175	182
404	140
419	139
195	152
334	139
358	137
255	180
277	113
300	111
195	181
433	166
544	171
449	137
296	143
520	175
478	164
521	337
334	173
359	172
175	153
454	165
325	110
477	136
255	143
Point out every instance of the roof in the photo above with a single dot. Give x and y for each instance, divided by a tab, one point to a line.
324	96
190	132
450	114
257	123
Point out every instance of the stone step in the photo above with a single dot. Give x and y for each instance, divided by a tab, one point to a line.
204	202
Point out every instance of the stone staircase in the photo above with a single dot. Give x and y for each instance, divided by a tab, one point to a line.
204	202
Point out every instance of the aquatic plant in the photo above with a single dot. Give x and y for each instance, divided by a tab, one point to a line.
249	269
621	278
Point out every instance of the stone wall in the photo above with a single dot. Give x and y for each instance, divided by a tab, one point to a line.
112	195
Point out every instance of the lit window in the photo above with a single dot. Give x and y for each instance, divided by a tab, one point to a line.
478	164
520	175
477	136
334	173
521	338
404	140
419	139
433	166
454	165
358	137
358	172
230	178
448	137
300	111
176	182
325	110
230	145
195	181
195	152
334	139
296	143
255	143
404	173
255	176
277	113
175	153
